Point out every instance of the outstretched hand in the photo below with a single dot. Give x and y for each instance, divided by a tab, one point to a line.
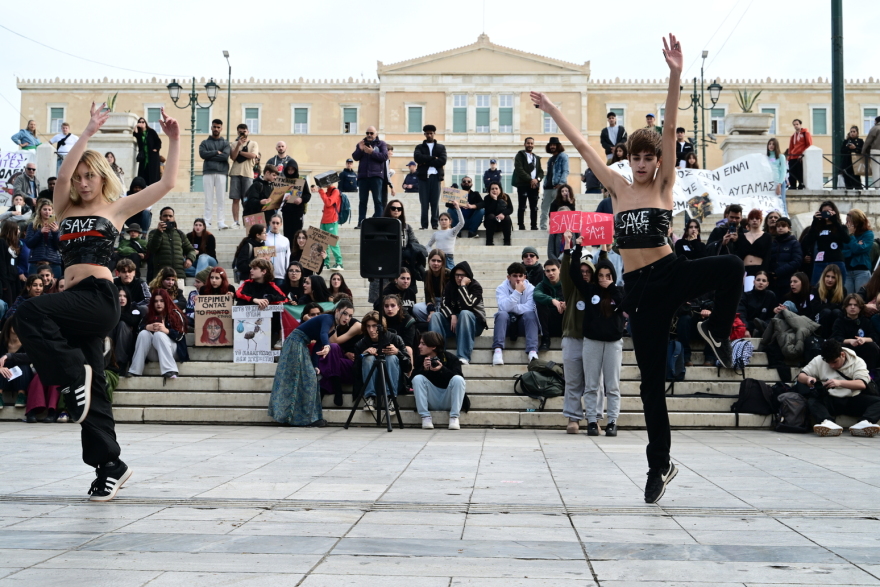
540	100
98	117
672	53
169	126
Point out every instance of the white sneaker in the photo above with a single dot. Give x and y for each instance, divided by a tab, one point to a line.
827	428
453	424
222	226
427	423
498	357
236	225
533	355
463	361
864	428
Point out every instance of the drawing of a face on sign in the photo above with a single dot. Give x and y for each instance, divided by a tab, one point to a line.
700	207
213	332
316	253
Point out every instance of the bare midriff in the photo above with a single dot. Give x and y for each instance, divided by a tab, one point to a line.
752	260
635	259
76	273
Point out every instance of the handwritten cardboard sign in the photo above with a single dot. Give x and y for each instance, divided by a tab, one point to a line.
250	220
594	227
284	190
316	244
264	253
213	320
11	164
450	195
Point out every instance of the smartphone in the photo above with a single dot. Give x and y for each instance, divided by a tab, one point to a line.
731	228
826	214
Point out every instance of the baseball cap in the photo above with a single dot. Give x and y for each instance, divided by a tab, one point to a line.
410	163
492	161
349	160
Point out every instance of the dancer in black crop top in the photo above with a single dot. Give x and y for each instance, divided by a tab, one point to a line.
657	282
64	333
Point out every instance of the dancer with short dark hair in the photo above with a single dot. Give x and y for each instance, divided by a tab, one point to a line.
64	333
658	282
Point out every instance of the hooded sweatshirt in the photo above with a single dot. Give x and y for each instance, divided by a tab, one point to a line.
573	318
468	297
597	326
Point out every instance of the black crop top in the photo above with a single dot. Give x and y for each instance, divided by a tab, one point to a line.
87	240
642	228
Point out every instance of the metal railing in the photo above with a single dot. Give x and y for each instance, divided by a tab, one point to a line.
847	168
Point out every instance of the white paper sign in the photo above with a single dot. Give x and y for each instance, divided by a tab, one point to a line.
12	163
252	342
748	181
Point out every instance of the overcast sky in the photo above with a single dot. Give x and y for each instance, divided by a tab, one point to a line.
342	38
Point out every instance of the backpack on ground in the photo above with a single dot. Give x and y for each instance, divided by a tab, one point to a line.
755	397
344	212
741	352
792	414
675	369
543	380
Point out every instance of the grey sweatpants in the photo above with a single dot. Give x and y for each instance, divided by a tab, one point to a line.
602	360
573	365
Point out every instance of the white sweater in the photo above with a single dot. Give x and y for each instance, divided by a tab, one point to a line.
282	253
445	239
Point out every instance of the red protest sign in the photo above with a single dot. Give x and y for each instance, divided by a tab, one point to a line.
597	228
561	222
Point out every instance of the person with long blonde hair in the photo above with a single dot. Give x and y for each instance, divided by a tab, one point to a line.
826	299
64	333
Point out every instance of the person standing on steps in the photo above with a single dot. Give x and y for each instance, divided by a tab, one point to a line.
430	158
245	153
556	177
214	151
491	175
573	336
64	333
800	141
371	154
658	282
611	136
527	176
281	159
348	178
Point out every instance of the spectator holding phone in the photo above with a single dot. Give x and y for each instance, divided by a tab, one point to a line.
168	245
42	239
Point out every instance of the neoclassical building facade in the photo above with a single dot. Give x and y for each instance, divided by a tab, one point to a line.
477	96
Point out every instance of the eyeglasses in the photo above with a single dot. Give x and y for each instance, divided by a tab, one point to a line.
530	255
396	208
31	168
370	133
460	275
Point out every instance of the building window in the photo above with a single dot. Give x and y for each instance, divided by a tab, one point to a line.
56	117
482	166
203	120
300	121
482	113
198	183
459	113
459	170
621	116
550	124
414	118
773	120
869	114
662	121
349	121
506	167
252	119
505	113
153	117
716	124
820	121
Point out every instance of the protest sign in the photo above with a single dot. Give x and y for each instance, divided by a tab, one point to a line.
264	253
213	320
284	190
292	316
748	181
11	164
450	195
250	220
595	228
316	245
253	334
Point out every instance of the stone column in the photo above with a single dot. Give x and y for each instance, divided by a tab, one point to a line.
813	168
116	136
46	160
875	169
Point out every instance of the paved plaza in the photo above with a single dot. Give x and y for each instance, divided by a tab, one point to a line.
223	505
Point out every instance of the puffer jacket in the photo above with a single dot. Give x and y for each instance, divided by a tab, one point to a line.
790	332
786	257
44	247
170	249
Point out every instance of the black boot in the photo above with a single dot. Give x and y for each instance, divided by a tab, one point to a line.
545	343
336	382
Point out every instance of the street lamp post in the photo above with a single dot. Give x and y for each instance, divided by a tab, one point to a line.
174	91
698	100
228	96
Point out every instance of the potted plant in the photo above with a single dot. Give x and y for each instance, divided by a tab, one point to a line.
118	122
747	122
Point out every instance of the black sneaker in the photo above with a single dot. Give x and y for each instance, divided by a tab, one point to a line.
475	234
593	429
78	396
720	349
545	344
657	482
111	476
611	429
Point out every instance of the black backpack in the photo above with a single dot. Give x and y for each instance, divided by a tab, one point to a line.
543	380
755	397
792	414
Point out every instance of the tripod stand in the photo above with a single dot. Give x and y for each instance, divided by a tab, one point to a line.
383	394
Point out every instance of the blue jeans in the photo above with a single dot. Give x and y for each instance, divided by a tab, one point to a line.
3	307
420	311
450	261
393	374
466	330
818	268
526	324
365	187
855	279
472	219
202	263
430	397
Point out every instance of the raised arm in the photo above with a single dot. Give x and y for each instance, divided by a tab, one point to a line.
61	195
126	207
674	59
610	179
